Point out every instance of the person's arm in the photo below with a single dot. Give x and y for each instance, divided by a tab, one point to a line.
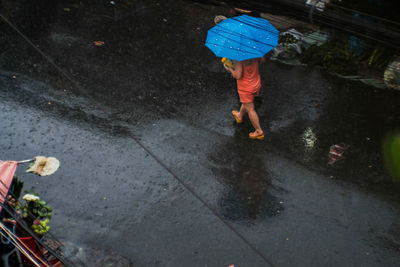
237	71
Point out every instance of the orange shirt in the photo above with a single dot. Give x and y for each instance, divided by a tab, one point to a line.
251	80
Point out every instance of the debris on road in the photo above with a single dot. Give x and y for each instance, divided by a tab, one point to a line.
336	152
98	43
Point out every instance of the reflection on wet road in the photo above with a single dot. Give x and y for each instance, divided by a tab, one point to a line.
238	166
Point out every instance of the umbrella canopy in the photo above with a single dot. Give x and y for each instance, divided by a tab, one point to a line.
243	37
7	171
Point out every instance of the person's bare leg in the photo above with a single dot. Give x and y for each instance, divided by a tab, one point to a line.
242	112
255	121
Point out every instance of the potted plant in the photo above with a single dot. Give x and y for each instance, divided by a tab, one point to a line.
35	212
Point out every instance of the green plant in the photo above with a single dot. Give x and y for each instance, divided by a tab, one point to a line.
333	56
36	213
17	189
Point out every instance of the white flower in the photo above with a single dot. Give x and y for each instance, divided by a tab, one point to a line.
30	197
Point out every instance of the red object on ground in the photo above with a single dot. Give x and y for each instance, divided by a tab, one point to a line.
336	152
7	171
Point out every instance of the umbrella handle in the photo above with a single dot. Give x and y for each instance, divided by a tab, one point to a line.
22	161
25	161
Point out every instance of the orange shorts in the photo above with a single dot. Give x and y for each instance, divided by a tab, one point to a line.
248	97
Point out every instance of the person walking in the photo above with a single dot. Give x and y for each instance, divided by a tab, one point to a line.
248	80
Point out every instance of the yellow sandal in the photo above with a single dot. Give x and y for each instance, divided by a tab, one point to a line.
255	135
236	118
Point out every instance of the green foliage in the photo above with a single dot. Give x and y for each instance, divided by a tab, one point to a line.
18	185
287	39
36	213
333	56
41	227
391	155
336	56
378	56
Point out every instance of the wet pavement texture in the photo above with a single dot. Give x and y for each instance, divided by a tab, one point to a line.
154	85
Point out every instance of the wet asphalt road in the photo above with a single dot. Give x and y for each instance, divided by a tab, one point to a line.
154	84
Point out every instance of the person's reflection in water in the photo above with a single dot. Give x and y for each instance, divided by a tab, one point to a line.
238	166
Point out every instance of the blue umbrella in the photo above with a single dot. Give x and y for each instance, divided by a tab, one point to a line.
242	38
